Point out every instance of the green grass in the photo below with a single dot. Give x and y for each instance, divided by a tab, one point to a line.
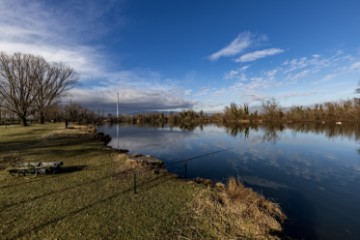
93	198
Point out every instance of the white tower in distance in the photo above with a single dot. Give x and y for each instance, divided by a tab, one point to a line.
117	107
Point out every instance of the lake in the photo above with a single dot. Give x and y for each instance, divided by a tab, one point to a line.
312	171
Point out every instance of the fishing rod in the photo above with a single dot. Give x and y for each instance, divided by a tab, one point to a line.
196	157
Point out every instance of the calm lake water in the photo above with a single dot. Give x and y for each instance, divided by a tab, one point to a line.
312	171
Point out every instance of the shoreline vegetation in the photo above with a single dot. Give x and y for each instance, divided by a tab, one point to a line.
93	196
270	112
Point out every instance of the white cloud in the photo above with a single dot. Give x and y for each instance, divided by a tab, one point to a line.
355	66
61	33
188	92
209	106
243	41
297	76
316	62
272	73
238	74
326	78
202	92
81	58
297	94
300	73
253	56
35	28
244	68
219	92
256	97
231	74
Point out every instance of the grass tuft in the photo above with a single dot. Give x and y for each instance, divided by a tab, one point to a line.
234	211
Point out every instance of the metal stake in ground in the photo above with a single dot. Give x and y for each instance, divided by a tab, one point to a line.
135	183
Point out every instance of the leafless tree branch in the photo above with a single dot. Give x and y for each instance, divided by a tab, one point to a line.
29	84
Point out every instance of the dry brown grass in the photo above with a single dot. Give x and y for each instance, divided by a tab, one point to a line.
234	212
244	121
72	131
125	164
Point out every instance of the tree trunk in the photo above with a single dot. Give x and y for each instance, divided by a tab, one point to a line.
42	118
24	122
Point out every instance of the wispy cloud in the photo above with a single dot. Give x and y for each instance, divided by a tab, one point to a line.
355	66
297	94
325	78
243	41
300	73
81	58
203	92
64	31
253	56
297	76
54	33
316	62
237	74
219	92
271	74
188	92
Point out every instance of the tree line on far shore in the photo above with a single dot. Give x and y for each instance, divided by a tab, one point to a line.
270	111
30	88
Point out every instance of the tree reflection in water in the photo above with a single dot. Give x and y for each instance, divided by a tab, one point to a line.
271	130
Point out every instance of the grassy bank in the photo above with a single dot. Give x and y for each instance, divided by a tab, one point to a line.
93	197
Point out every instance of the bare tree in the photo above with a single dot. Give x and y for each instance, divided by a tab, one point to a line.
272	110
18	73
29	84
2	115
357	103
53	82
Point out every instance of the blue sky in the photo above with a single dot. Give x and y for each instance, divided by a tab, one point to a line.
171	55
